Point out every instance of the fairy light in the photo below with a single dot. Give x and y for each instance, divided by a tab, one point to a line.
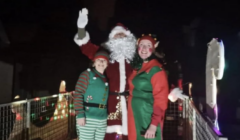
56	112
62	108
18	117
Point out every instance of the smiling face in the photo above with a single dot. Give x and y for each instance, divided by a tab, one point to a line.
100	64
145	48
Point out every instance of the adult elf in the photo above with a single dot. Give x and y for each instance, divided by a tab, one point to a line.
122	46
90	100
148	94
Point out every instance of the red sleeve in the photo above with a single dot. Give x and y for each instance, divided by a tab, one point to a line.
89	49
160	95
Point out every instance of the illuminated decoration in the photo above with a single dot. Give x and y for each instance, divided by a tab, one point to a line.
56	107
214	71
62	87
17	97
18	116
60	110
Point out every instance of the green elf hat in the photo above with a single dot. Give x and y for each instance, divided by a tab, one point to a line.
101	54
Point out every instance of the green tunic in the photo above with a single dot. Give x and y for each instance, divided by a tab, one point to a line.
144	95
91	88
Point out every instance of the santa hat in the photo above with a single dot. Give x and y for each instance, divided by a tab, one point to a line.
149	37
119	28
101	54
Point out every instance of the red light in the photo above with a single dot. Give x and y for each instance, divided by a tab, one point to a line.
180	108
18	116
37	99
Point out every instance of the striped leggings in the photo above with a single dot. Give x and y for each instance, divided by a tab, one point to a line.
94	129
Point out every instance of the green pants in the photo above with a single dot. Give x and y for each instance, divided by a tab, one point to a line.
94	129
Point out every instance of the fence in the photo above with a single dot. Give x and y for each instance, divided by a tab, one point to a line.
172	128
46	118
196	125
52	118
184	122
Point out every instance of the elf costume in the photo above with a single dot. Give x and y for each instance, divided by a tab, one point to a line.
90	101
117	73
148	97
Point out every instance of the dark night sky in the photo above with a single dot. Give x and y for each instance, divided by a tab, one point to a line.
49	25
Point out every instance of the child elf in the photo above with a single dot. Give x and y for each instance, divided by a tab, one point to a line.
90	100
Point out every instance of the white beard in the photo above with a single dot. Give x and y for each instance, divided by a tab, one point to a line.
121	48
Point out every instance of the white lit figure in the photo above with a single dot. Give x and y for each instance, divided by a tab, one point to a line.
214	71
175	94
62	87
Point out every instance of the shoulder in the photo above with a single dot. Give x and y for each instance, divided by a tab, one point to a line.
87	72
155	66
155	69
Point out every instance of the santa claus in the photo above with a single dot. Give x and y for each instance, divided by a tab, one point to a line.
122	46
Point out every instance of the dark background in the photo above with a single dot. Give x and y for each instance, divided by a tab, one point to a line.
43	52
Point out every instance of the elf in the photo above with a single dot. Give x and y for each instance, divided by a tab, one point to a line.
148	97
90	100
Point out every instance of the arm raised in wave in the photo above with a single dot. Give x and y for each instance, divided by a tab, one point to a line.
82	38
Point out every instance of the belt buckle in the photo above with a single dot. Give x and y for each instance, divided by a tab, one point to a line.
101	106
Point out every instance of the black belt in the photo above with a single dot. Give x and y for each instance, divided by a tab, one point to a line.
102	106
120	93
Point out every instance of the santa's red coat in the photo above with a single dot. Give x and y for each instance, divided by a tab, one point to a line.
117	73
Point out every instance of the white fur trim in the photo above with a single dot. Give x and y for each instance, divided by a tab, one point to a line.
122	85
114	129
119	29
124	116
118	128
83	41
122	72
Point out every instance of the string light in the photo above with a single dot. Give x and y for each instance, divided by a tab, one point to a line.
61	107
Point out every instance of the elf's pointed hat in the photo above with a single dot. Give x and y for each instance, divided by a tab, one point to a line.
119	28
149	37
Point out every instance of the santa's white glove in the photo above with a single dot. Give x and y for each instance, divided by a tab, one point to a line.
175	94
83	18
